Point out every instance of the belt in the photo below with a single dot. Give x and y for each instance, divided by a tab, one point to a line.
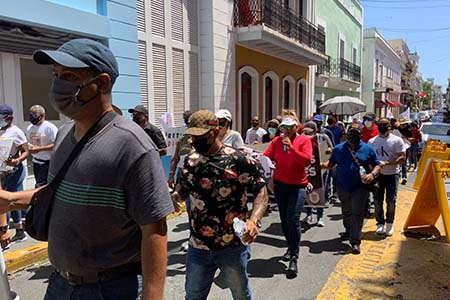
131	269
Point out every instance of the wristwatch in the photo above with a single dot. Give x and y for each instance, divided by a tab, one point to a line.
257	222
3	229
374	175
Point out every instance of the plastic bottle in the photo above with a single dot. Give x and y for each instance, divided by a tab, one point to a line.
362	171
239	228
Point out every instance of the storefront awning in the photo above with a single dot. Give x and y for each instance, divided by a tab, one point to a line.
380	104
394	103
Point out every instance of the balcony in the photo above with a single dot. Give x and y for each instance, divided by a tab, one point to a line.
268	26
339	73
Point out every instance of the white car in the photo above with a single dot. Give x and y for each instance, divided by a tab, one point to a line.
436	131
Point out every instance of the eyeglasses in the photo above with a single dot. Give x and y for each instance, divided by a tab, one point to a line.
288	127
222	123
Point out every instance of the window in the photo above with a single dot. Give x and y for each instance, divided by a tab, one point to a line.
354	52
286	95
268	85
246	99
341	48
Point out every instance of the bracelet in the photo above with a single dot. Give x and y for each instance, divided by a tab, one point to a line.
172	172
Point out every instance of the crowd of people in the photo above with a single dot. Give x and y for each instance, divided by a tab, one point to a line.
107	231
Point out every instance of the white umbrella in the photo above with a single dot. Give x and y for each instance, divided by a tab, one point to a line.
343	105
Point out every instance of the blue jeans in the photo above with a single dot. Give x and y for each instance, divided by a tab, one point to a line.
352	205
386	184
201	265
13	182
290	199
40	173
125	288
413	153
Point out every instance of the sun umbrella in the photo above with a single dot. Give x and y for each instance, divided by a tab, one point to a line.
343	105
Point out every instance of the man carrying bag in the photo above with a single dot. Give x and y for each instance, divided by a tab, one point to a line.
107	198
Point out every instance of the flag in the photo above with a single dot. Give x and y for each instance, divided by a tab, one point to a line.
405	114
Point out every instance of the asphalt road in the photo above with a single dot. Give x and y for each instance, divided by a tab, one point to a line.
320	251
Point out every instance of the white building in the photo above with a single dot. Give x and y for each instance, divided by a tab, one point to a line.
249	56
381	73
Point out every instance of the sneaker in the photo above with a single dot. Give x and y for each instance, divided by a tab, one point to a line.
404	181
389	229
308	220
20	236
356	249
320	223
292	270
380	229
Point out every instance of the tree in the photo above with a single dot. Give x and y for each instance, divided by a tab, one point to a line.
427	88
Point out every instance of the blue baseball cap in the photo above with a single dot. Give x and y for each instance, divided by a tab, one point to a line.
6	110
317	118
81	53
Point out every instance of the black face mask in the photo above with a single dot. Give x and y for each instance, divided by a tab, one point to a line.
329	121
137	120
254	124
354	139
35	119
201	145
383	128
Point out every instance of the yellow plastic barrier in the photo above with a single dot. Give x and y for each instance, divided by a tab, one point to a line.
432	200
433	150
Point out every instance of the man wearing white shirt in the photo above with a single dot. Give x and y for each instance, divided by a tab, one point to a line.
41	135
390	150
255	133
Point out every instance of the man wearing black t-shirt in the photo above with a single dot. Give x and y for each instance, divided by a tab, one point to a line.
140	116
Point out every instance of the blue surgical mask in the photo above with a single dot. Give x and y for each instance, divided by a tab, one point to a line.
272	130
3	123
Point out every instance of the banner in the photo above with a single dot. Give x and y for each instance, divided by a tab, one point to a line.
406	114
172	137
317	197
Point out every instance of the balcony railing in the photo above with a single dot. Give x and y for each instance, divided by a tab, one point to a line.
274	15
340	68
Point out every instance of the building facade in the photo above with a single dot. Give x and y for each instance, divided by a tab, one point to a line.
251	57
381	73
342	22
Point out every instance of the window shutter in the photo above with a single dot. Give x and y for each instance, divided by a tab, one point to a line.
159	81
158	18
143	77
140	12
192	14
178	85
194	101
177	20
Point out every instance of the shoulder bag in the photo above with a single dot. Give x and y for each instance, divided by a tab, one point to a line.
373	185
40	211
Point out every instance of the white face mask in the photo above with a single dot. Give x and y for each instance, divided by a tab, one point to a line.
368	124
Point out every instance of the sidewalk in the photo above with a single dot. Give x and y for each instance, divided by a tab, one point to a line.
394	267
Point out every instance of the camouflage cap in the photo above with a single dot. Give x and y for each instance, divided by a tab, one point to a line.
201	122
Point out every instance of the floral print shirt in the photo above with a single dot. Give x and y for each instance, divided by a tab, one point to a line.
218	188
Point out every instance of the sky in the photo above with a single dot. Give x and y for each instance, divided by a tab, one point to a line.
423	24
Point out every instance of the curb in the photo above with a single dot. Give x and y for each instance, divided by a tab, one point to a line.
20	259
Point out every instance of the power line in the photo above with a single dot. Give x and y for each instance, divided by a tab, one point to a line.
406	7
410	30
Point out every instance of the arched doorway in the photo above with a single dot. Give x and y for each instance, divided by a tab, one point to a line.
270	95
288	92
301	98
246	100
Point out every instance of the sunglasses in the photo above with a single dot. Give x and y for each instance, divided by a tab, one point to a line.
222	123
288	127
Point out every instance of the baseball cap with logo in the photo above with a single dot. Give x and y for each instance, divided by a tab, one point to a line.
223	114
81	53
139	108
201	122
317	118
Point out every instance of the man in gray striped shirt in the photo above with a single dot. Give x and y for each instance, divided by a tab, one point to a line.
113	200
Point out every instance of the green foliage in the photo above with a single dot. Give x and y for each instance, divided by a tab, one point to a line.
428	89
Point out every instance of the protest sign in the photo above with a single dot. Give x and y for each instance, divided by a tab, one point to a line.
317	197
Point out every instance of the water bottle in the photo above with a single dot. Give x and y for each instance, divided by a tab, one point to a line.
239	228
362	171
284	145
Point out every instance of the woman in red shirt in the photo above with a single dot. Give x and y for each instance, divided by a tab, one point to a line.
292	153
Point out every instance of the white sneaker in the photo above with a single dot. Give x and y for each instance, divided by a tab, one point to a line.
380	229
389	229
308	220
320	223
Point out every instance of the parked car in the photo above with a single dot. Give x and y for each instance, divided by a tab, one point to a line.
436	131
423	115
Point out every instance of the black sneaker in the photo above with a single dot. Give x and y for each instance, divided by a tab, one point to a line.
404	181
20	236
292	270
356	249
